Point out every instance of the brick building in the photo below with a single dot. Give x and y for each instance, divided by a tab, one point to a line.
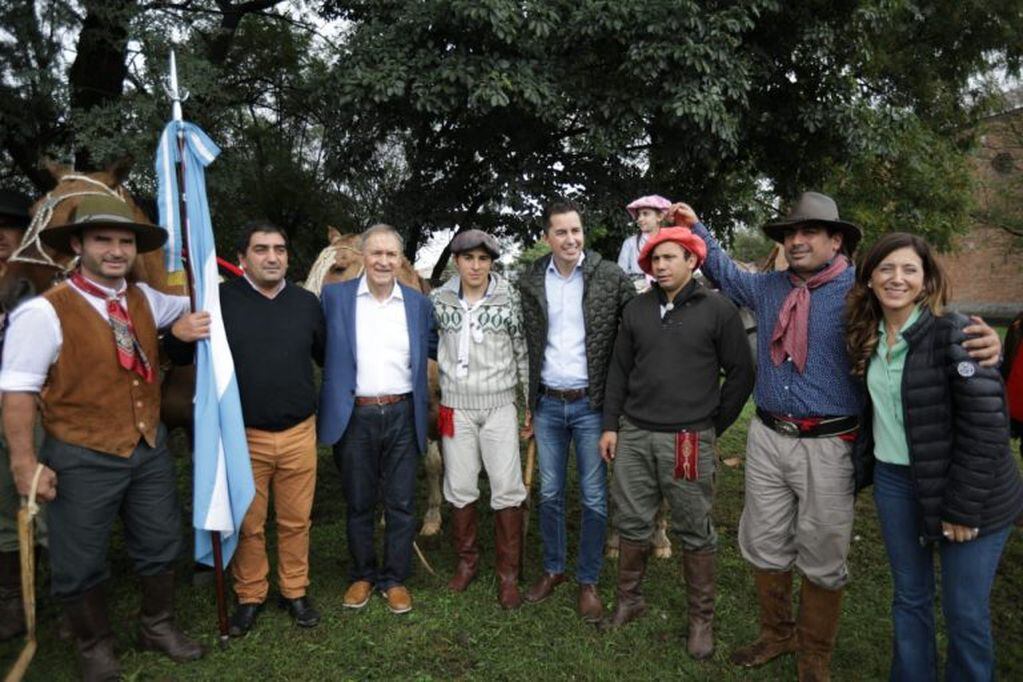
986	267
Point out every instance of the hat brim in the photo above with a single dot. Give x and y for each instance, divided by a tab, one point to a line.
851	233
147	237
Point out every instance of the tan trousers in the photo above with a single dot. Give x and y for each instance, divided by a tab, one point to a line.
286	461
798	509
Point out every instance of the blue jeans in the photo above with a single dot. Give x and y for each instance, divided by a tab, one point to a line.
967	573
555	423
378	455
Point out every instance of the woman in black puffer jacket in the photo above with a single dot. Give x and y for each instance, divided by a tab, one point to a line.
934	441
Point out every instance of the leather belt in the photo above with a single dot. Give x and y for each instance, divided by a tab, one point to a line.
569	395
380	400
810	427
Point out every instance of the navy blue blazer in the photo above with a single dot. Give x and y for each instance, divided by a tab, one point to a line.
337	395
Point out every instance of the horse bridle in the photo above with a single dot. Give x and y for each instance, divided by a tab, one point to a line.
41	220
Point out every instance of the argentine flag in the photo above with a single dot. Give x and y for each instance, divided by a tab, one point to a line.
223	486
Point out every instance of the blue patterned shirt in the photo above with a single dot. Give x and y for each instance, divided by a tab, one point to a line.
825	388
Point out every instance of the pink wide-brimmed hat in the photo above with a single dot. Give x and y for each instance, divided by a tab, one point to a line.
654	201
682	236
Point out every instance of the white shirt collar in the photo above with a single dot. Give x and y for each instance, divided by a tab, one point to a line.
364	290
552	267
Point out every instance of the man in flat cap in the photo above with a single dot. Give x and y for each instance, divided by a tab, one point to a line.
483	363
664	407
798	509
86	350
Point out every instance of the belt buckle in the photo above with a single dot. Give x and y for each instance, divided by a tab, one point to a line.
787	428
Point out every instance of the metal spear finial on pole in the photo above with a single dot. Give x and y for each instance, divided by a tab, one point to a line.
173	90
177	97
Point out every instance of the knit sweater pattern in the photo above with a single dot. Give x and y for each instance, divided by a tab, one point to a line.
498	362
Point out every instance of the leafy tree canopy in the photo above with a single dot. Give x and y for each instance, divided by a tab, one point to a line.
453	113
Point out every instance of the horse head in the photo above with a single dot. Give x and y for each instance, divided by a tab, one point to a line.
341	260
33	267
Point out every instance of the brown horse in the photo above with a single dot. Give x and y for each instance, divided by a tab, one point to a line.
33	267
341	261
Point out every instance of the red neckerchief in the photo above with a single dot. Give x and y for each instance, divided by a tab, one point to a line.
129	352
791	331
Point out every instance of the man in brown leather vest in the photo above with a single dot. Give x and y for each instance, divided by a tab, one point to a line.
86	352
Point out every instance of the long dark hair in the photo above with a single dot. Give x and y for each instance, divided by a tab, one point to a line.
862	309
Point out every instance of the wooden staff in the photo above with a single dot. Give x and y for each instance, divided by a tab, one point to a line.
26	547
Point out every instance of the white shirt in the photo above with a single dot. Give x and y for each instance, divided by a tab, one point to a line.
34	336
564	357
383	359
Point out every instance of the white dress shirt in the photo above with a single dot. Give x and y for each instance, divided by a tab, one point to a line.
383	359
564	357
34	336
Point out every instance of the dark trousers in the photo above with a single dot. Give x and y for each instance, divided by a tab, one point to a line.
377	456
93	489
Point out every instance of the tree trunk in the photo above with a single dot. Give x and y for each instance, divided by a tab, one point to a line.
96	77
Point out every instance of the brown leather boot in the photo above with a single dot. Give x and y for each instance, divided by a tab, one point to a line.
12	614
591	610
509	545
777	627
94	642
463	537
816	631
699	571
157	631
629	604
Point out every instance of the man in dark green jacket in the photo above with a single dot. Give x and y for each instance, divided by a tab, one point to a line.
572	304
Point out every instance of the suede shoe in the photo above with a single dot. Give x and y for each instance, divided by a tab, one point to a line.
398	599
243	618
302	611
357	595
544	587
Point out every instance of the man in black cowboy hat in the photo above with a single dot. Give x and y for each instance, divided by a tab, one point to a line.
798	508
14	219
86	351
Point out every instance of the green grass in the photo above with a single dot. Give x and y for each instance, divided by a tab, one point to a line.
468	636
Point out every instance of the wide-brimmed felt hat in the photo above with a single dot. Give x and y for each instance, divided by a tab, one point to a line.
814	207
100	211
14	209
475	239
654	201
682	236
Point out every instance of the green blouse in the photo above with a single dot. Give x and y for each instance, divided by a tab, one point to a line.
884	381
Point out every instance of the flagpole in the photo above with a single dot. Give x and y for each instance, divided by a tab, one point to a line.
218	558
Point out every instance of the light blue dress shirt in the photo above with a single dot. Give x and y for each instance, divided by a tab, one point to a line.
564	358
